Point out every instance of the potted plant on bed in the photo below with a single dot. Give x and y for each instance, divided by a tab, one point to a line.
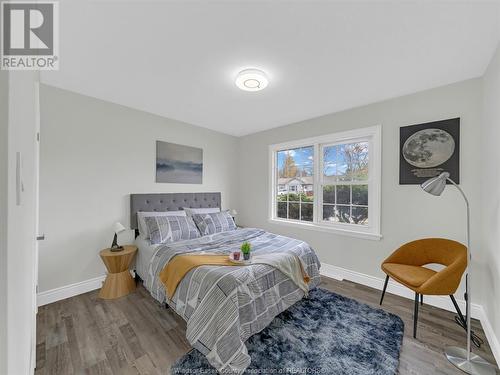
245	249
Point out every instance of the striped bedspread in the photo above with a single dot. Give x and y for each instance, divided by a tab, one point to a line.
224	306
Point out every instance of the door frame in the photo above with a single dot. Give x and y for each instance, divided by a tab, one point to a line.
36	186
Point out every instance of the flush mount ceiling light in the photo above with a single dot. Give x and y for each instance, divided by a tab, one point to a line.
252	80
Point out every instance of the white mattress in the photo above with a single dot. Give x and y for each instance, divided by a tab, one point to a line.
144	255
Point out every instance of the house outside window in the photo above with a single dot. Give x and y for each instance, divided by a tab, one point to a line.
329	183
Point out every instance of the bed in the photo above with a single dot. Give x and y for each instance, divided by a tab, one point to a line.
161	202
222	305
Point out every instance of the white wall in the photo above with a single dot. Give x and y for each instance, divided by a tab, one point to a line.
490	191
407	212
4	121
93	155
21	223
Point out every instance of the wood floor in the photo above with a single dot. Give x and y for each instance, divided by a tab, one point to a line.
134	335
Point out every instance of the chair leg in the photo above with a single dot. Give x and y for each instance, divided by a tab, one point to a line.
415	316
476	340
421	300
459	312
383	291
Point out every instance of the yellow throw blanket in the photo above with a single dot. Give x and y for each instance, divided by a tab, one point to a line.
175	270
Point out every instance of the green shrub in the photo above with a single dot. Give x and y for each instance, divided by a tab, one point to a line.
295	197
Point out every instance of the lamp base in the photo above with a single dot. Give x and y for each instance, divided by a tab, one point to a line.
476	366
116	248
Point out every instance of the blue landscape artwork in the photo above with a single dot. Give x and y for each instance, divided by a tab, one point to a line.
178	164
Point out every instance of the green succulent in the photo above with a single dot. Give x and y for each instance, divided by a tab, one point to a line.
245	248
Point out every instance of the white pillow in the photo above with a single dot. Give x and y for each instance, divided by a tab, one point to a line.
143	228
199	211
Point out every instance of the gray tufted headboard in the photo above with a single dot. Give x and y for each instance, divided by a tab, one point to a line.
170	202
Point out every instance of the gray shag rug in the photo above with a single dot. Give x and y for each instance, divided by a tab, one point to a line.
323	334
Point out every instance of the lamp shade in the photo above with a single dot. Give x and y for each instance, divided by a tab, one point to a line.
119	228
436	185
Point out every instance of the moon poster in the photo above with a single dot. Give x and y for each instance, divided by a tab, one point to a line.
428	149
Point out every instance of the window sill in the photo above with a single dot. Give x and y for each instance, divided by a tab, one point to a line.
328	229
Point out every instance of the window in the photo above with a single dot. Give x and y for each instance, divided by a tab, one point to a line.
344	182
329	183
295	193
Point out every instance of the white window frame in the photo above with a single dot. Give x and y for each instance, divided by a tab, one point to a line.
372	135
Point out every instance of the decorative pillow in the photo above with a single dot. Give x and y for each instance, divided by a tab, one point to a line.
215	222
143	229
166	229
205	210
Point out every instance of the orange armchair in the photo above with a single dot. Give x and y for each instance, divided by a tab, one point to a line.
406	266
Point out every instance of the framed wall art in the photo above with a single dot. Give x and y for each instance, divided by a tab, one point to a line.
428	149
178	164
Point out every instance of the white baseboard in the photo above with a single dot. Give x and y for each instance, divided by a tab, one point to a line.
490	335
442	302
57	294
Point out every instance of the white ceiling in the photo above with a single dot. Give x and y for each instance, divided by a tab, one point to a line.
179	59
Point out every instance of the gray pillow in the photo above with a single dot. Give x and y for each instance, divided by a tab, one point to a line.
165	229
215	222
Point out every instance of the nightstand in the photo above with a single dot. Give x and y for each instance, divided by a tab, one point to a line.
118	282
